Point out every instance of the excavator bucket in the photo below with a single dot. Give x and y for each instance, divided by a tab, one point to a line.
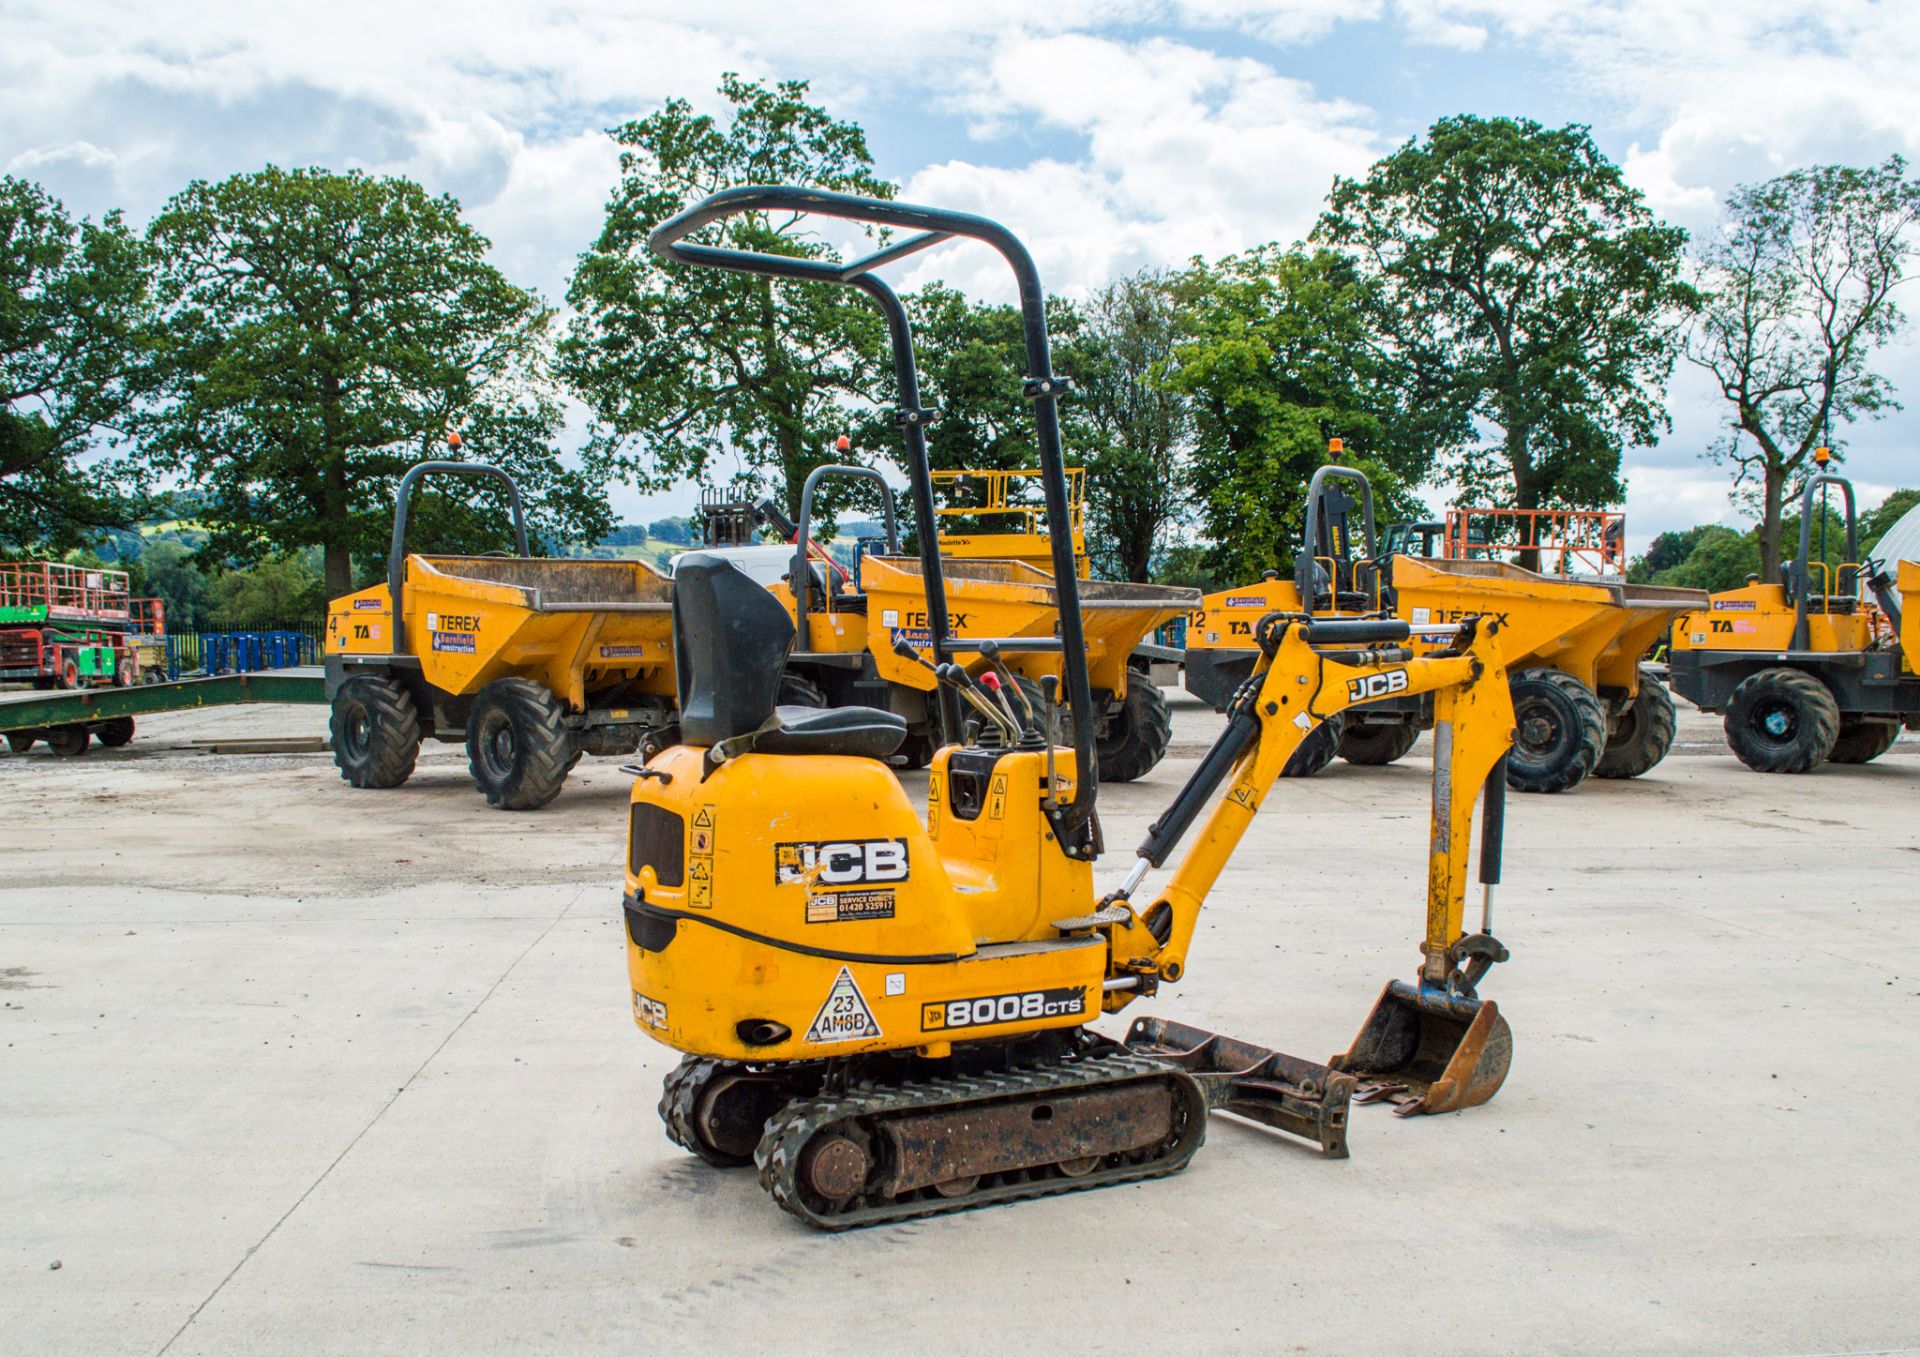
1428	1051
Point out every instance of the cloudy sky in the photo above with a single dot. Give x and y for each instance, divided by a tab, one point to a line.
1111	134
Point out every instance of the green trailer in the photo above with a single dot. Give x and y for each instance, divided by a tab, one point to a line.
70	721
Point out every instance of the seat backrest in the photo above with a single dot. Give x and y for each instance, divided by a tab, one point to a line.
731	639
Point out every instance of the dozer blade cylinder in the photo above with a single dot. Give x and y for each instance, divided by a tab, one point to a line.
1429	1051
1301	1097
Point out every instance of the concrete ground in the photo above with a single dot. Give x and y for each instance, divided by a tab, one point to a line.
294	1068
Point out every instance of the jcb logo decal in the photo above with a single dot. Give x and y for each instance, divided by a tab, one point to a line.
846	862
1369	686
993	1009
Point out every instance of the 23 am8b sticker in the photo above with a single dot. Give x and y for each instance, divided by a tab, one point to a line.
845	1015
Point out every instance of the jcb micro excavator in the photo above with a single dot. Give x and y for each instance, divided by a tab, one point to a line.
891	1018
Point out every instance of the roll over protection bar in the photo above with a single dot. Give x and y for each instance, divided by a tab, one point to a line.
402	510
1074	823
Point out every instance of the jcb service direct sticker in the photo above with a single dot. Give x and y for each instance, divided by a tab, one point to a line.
993	1009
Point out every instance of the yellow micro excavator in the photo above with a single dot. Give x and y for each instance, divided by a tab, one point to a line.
891	1018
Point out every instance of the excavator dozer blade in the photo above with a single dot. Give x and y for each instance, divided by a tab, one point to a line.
1428	1051
1301	1097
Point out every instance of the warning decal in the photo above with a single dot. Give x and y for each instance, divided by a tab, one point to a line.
845	1015
700	837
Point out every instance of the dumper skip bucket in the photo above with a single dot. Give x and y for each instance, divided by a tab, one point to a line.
1426	1050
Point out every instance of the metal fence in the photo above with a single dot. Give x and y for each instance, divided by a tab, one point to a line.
243	652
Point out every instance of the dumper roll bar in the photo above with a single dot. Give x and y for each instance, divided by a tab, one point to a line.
1317	527
799	572
933	226
1803	568
402	510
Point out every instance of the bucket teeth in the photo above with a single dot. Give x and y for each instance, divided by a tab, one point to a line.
1428	1051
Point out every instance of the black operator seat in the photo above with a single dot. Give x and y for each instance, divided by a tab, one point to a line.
731	639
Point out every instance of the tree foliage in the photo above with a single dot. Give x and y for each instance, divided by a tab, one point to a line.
1875	524
1800	284
175	578
74	327
324	333
1515	264
1138	425
277	591
1279	357
680	366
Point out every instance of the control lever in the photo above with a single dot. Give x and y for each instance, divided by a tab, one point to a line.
991	682
991	650
961	682
904	649
1050	694
976	696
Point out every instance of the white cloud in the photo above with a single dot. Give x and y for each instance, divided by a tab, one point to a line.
1187	152
1111	134
1729	92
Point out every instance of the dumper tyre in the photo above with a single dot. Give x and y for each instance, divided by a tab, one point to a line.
67	741
1138	733
376	732
1375	745
1643	734
1862	740
1560	731
1318	749
20	741
797	690
517	744
1782	721
115	733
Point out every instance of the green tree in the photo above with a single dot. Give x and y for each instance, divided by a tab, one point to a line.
1720	559
1279	357
682	365
1137	422
174	577
1665	552
1876	522
324	333
74	327
277	591
1515	260
1799	289
971	358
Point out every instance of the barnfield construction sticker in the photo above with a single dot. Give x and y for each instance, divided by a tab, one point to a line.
845	1015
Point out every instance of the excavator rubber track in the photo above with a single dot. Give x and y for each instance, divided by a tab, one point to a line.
679	1100
840	1161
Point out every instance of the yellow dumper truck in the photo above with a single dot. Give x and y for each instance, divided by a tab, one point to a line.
529	661
1583	703
1809	671
864	635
